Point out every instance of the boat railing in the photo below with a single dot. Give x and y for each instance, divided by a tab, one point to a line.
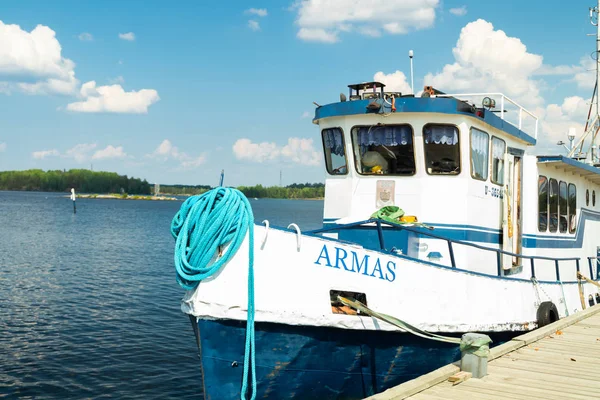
503	102
590	259
451	242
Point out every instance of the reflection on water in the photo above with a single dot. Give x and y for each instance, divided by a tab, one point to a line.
89	305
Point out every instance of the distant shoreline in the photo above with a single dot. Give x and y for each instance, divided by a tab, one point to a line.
125	197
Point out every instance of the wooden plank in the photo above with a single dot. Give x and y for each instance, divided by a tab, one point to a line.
558	349
551	365
426	396
564	388
583	330
541	368
460	377
504	348
457	393
558	360
545	378
575	337
551	356
546	394
418	384
475	391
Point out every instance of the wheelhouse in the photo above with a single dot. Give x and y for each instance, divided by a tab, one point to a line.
439	157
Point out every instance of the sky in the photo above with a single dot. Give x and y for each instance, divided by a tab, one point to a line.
174	92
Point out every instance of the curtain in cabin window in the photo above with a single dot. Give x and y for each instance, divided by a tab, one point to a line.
440	134
333	140
479	154
498	150
389	135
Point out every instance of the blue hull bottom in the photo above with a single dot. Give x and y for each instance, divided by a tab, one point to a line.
315	362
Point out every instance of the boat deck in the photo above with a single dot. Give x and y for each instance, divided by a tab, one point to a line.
559	361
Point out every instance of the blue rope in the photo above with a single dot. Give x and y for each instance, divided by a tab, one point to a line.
202	227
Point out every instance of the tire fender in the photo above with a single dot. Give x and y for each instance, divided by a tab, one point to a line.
547	313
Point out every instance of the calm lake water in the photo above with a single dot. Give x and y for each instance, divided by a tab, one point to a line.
89	305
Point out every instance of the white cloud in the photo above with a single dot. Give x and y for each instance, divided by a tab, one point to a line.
585	77
80	152
244	149
301	151
254	25
261	12
45	153
556	119
554	70
2	147
85	37
113	98
109	152
394	82
297	150
324	20
317	35
306	114
33	61
459	11
166	151
129	36
489	60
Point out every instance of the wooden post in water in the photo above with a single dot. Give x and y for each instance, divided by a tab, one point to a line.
73	198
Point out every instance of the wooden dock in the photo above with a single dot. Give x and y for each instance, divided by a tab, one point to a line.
559	361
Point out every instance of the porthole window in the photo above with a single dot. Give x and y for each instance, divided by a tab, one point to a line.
587	197
593	198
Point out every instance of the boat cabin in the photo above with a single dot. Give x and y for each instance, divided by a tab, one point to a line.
456	166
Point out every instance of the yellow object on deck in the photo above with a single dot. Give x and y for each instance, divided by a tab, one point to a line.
408	218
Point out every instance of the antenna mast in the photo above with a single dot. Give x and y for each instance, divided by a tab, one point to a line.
593	123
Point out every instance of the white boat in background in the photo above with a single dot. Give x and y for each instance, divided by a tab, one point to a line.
506	242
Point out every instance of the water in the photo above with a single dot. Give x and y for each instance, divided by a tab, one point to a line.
89	305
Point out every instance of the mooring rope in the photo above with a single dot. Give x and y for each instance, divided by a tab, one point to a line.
202	227
357	305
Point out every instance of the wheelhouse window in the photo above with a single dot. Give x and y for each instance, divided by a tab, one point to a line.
335	154
563	207
480	142
498	150
442	149
384	149
553	203
542	203
572	208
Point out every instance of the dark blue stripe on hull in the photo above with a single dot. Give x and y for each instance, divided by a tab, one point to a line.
315	362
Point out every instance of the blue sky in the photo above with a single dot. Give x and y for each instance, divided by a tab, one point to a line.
175	92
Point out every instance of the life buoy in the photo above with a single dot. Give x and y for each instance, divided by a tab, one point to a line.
547	313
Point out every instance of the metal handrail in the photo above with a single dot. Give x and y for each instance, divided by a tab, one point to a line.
502	109
499	252
597	258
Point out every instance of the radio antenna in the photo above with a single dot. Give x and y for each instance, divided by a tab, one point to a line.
410	55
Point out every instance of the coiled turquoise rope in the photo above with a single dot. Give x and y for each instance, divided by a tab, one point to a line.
202	227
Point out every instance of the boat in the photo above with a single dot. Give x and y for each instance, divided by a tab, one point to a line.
492	239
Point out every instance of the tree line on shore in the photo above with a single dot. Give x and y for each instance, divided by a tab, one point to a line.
293	191
83	180
87	181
